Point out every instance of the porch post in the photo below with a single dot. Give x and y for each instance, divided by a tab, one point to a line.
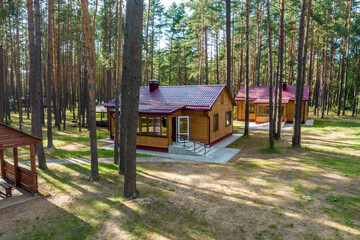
16	166
2	163
33	170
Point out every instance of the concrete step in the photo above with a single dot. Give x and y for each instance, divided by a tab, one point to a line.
188	149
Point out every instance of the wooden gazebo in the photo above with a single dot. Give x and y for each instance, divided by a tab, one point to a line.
12	138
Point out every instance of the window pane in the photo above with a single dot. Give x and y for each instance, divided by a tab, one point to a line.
157	126
151	125
252	108
228	118
183	125
144	125
164	126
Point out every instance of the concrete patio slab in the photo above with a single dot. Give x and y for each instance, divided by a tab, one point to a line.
19	195
221	154
106	140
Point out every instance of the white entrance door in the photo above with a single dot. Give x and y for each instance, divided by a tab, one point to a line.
183	129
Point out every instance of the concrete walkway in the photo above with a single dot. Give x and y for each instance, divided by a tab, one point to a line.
221	154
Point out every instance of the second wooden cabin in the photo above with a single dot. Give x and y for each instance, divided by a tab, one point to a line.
259	104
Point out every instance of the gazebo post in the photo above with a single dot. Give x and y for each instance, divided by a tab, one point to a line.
2	163
33	170
16	166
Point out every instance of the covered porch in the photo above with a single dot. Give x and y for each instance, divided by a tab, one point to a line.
262	110
12	174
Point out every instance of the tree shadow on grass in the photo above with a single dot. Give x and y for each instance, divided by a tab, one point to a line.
41	219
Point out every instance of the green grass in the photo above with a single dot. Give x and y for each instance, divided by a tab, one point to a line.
238	142
268	150
104	197
348	166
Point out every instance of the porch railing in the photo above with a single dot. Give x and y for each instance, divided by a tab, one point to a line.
194	141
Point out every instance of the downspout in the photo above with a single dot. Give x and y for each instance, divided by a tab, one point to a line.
206	115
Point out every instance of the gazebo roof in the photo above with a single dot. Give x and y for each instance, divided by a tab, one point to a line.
100	108
12	138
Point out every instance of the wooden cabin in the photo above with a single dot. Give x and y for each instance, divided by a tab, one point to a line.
170	114
259	104
25	178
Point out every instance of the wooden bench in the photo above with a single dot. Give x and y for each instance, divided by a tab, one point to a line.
8	189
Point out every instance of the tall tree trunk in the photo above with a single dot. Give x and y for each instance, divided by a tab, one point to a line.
228	44
49	72
217	58
108	70
18	75
357	83
349	4
185	62
341	76
130	93
246	130
35	76
146	78
90	57
324	79
206	57
296	138
171	43
280	69
58	74
271	130
258	58
118	71
317	84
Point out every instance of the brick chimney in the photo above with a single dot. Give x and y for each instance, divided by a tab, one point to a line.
284	86
153	85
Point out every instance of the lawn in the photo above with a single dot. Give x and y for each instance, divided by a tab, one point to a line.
308	193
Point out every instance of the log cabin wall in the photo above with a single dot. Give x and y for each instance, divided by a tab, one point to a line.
222	105
290	111
198	125
24	175
241	111
304	112
264	119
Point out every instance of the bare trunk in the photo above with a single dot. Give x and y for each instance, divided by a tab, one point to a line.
49	72
147	45
90	57
296	139
206	58
280	70
271	130
228	44
130	93
246	130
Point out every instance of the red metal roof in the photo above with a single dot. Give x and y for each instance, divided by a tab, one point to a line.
266	101
169	99
263	93
158	109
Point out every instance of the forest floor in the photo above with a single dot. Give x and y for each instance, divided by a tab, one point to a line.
307	193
